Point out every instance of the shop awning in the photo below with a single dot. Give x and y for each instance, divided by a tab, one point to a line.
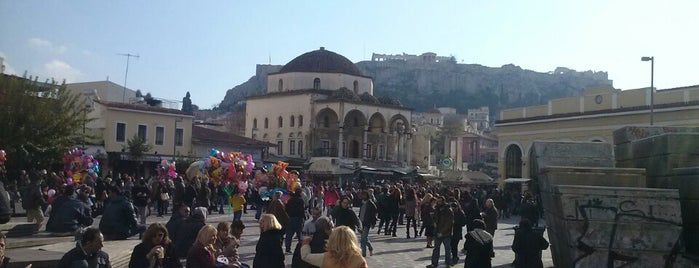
516	180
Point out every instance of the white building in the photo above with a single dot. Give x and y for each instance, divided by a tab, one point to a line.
320	105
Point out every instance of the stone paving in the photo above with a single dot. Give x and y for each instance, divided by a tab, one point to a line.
388	251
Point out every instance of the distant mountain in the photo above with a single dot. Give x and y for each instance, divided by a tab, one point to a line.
462	86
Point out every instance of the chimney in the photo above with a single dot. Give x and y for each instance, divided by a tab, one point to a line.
322	48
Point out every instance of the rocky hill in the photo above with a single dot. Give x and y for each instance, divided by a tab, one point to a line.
462	86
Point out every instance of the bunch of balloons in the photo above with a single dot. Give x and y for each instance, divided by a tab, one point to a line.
278	179
233	167
76	163
167	169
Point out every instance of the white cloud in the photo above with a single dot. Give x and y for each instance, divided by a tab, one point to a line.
60	70
47	45
8	68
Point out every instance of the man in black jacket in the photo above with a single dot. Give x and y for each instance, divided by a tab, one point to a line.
179	215
119	219
295	209
367	216
444	222
140	196
187	232
87	252
68	214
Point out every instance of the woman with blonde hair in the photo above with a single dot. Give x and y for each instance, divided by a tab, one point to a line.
268	252
155	250
342	251
202	252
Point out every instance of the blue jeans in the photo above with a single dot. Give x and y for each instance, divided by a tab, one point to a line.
294	227
364	240
222	200
438	241
237	215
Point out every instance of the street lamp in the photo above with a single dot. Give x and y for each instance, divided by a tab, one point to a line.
87	107
652	63
174	140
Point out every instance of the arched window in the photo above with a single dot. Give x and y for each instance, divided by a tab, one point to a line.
281	122
300	120
356	87
254	123
266	122
300	150
281	85
291	121
316	83
326	121
355	122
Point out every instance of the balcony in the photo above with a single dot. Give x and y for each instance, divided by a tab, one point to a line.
328	152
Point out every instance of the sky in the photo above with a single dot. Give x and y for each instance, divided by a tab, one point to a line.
208	47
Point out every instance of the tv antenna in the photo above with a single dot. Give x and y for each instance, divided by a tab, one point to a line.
126	75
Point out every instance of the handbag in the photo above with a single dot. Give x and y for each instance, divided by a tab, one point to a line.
164	196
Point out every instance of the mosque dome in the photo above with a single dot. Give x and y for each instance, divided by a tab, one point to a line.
321	61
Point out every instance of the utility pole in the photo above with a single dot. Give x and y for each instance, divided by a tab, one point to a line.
128	57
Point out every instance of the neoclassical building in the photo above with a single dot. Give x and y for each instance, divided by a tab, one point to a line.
591	117
320	105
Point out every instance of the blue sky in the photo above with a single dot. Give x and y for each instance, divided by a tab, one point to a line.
207	47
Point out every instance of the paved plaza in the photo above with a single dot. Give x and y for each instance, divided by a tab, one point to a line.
388	251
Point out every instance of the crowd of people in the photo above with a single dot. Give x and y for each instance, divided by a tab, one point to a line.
326	214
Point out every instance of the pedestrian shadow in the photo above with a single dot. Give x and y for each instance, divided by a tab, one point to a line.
397	251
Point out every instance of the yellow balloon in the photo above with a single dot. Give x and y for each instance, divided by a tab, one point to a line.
77	178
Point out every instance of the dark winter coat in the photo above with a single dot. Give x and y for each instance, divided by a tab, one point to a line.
444	221
346	217
138	257
491	219
204	197
178	193
473	212
118	218
140	195
173	225
370	212
187	234
69	216
76	258
317	246
277	209
479	249
295	207
32	197
527	246
459	223
268	252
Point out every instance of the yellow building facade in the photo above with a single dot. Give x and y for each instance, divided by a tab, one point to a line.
590	117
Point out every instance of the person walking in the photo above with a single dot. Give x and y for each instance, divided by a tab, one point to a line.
295	210
444	222
345	216
382	205
237	202
457	232
393	211
268	251
527	246
32	201
479	247
187	232
140	196
367	216
410	210
427	216
490	216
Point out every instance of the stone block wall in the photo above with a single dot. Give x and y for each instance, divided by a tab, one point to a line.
597	226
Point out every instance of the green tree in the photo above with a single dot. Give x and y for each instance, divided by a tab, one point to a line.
137	146
40	121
